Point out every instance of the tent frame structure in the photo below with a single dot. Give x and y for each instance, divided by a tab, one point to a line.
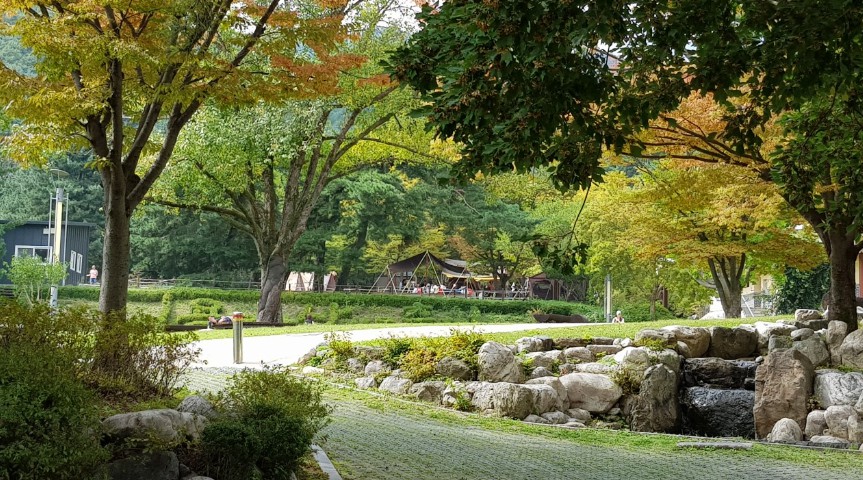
440	269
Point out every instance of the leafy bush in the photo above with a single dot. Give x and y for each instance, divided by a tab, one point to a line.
135	356
272	417
207	306
32	277
336	313
340	345
47	415
640	312
417	310
167	307
628	379
419	364
395	348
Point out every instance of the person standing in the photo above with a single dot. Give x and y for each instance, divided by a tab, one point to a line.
94	275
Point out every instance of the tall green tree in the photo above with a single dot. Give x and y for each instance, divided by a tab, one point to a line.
108	73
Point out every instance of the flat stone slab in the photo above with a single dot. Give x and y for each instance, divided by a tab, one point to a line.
716	445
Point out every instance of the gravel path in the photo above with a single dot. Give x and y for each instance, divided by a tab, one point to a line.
373	444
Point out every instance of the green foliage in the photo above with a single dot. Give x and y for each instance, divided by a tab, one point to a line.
135	357
337	314
340	345
419	363
655	344
271	417
167	307
196	318
799	289
417	310
47	415
640	312
395	347
207	306
31	276
628	379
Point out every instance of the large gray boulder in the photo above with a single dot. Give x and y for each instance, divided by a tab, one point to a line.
594	367
692	342
397	385
555	418
633	357
667	357
656	336
815	423
547	359
545	398
767	329
830	441
851	350
564	343
428	391
718	373
557	386
833	387
732	343
785	430
578	355
837	419
165	426
366	383
592	392
451	367
497	363
783	384
855	428
197	405
540	372
504	398
376	367
718	413
656	409
804	314
533	344
802	334
815	349
604	349
150	466
779	342
836	333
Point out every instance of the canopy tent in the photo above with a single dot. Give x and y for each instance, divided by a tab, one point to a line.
420	268
300	282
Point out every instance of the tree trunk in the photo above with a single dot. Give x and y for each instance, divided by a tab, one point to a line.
273	278
115	257
843	302
726	272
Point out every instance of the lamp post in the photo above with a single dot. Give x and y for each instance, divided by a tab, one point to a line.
57	253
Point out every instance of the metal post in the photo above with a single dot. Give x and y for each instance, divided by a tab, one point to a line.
608	298
238	337
57	253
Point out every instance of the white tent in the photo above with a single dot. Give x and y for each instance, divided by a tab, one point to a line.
301	282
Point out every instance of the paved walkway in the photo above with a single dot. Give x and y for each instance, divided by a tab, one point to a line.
383	444
287	349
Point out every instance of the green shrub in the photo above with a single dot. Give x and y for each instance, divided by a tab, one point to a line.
628	379
395	347
167	307
640	312
32	277
192	318
135	355
419	364
417	310
336	313
340	345
207	307
47	414
273	416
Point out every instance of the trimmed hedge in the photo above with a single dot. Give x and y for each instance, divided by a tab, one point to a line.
435	303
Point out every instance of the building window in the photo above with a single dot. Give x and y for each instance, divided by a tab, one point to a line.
80	261
33	251
72	257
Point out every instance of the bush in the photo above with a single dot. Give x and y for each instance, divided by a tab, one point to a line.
273	416
207	307
134	356
47	414
192	318
340	345
336	313
167	307
640	312
48	417
417	310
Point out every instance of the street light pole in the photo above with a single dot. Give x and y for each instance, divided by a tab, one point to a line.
58	239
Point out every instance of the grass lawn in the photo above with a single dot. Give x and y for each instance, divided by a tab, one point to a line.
317	328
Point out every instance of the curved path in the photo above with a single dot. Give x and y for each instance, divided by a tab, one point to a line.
287	349
380	442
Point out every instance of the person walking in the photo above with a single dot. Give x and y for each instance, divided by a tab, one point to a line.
94	275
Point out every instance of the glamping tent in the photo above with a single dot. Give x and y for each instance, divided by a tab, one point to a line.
420	269
300	282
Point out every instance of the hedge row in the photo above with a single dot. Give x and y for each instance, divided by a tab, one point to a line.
436	303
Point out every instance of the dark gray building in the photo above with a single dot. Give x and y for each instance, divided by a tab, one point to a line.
32	238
